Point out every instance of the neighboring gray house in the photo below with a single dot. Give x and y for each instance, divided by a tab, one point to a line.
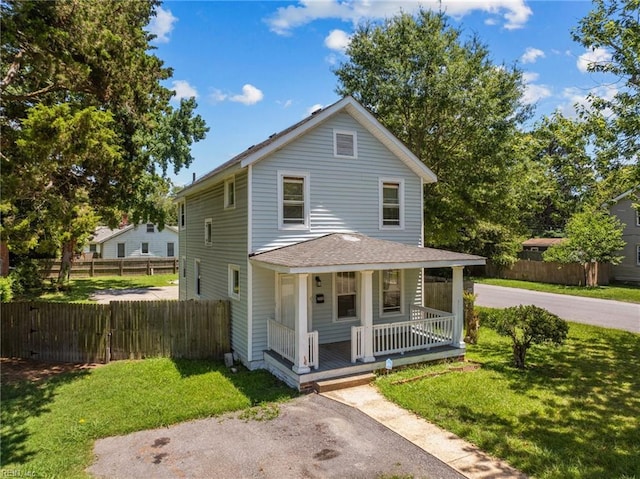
133	241
315	235
622	208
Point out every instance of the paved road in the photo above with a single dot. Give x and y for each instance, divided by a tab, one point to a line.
312	437
597	312
138	294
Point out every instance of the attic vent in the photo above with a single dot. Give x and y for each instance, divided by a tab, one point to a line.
344	144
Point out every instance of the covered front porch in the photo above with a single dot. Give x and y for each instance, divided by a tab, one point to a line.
299	353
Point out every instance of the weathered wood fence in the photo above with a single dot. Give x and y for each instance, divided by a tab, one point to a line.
112	267
89	333
549	272
437	295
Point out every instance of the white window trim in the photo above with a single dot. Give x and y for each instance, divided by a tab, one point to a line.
228	184
400	183
208	222
183	267
148	248
197	272
354	134
182	214
307	198
384	314
231	269
334	299
638	217
638	255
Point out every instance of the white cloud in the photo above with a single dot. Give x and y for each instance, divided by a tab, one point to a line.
579	97
597	55
531	55
284	104
162	24
514	13
313	108
217	96
532	92
250	95
337	40
183	90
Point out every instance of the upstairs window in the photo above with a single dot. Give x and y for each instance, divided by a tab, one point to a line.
183	216
208	232
230	193
150	228
293	198
345	144
391	204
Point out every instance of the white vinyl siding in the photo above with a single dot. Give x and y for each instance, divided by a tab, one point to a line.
345	144
344	195
229	246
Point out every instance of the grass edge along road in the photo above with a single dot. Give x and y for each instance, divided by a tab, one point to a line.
616	292
573	413
49	426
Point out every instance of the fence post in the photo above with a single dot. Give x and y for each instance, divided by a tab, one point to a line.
91	268
107	337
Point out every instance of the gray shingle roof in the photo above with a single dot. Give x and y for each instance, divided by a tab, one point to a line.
355	252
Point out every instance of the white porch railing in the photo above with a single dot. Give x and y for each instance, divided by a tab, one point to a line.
282	340
357	343
427	329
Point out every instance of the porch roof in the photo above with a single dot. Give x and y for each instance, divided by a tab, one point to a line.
356	252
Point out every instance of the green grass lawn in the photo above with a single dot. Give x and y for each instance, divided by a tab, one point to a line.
49	427
618	292
80	290
573	413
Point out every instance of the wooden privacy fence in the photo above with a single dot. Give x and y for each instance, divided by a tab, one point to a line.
89	333
549	272
111	267
437	295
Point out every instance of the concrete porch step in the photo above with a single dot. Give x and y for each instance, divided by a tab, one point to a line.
343	382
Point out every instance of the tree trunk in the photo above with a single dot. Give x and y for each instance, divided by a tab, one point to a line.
519	354
67	261
591	273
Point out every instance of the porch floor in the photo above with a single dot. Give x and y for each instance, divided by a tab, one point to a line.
335	361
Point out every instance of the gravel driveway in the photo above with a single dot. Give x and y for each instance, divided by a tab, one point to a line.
312	437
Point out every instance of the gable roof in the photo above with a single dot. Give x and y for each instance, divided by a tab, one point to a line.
104	233
277	141
543	242
357	252
622	196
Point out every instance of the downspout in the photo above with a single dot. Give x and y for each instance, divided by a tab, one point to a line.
249	265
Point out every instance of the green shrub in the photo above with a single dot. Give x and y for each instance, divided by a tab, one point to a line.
26	278
6	293
527	325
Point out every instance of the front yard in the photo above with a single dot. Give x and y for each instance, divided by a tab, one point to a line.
49	425
573	413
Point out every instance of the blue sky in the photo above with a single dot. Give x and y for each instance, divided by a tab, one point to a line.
256	67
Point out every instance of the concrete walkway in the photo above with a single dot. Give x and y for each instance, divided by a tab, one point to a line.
449	448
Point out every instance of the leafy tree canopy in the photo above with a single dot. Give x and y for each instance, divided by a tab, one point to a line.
455	110
87	125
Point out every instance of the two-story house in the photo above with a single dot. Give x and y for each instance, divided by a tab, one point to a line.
622	208
315	235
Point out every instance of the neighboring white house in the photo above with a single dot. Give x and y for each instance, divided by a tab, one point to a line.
622	208
315	235
133	241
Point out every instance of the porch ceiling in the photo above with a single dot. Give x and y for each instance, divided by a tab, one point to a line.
356	252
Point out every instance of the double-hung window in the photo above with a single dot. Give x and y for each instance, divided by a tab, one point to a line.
208	232
391	291
391	204
183	216
145	248
293	199
150	228
121	252
346	297
234	281
230	193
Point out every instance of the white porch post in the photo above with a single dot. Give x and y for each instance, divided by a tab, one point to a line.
301	364
366	314
457	306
